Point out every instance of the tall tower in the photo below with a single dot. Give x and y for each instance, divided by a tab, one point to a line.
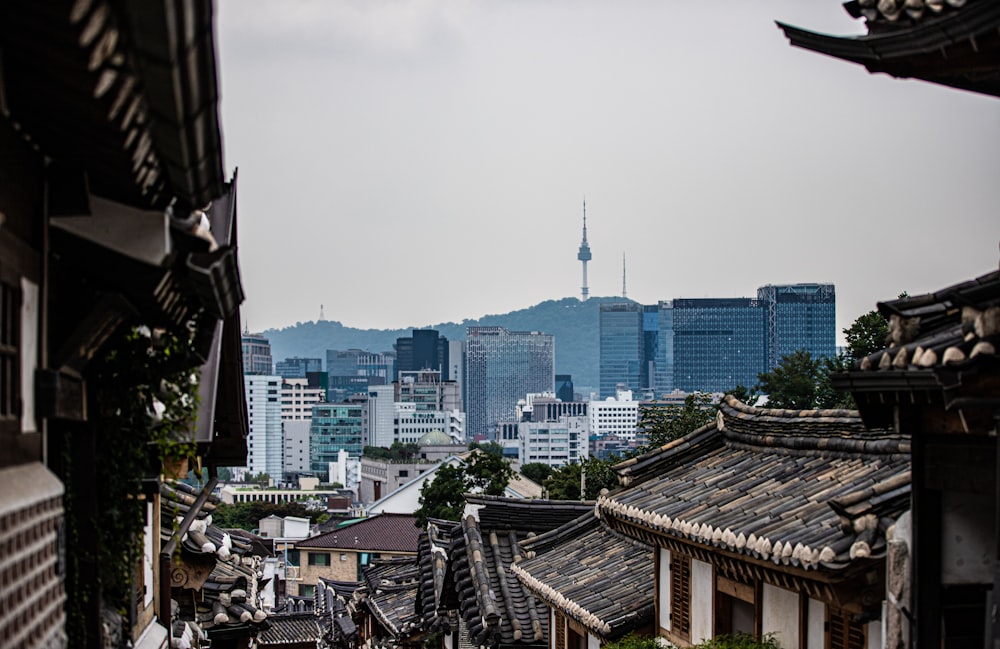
584	254
624	292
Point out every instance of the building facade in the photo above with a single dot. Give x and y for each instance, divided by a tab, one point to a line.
265	444
297	368
719	343
298	397
554	443
503	366
636	347
616	417
799	316
256	354
334	427
426	349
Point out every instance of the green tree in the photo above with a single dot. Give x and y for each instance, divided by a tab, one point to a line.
866	335
492	448
537	471
444	496
564	483
826	395
746	395
793	383
246	516
665	423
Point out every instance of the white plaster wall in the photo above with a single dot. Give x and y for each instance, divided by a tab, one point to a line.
966	538
702	591
593	642
780	615
816	633
875	634
663	585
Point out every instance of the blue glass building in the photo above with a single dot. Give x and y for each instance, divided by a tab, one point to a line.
799	316
719	343
334	426
636	347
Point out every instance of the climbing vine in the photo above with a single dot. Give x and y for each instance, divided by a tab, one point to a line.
145	403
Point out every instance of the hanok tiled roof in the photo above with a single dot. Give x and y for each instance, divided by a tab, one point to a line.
291	630
937	343
380	533
496	607
228	594
392	586
951	42
811	489
599	577
436	598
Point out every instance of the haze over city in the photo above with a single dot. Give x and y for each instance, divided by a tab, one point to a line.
405	164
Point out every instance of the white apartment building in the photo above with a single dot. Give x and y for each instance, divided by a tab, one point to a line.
265	441
554	443
618	416
296	451
297	399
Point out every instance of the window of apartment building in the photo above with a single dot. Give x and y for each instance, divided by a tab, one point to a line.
319	559
845	633
680	594
307	590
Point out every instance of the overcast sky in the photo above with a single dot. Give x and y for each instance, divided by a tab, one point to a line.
405	163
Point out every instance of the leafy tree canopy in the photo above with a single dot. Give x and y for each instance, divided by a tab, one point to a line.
793	383
444	496
492	448
564	483
665	423
398	452
536	471
866	335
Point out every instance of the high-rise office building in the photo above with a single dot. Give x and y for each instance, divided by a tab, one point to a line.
256	354
502	367
335	427
297	368
712	344
799	316
564	387
719	343
424	350
351	371
265	440
636	350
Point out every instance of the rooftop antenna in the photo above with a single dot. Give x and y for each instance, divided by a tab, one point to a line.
624	293
321	317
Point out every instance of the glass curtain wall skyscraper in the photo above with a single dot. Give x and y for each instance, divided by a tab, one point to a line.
502	367
636	349
718	343
799	316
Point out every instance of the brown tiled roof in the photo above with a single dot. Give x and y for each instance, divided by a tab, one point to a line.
298	629
392	594
810	489
599	577
381	533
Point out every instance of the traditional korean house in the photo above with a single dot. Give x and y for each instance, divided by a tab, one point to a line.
951	42
768	521
939	381
117	235
597	582
437	601
495	608
387	601
214	578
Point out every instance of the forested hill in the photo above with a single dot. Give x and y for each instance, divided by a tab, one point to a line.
572	322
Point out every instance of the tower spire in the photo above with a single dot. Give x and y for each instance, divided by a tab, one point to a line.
584	254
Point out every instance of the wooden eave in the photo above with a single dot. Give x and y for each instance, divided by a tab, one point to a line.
852	589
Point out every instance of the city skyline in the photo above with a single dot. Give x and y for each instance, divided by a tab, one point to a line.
460	140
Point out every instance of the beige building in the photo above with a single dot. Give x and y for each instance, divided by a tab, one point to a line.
341	554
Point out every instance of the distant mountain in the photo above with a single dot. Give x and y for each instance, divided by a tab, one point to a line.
572	322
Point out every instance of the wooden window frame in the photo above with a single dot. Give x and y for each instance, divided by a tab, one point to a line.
680	595
11	299
842	632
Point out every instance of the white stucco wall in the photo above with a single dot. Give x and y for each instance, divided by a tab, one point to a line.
816	632
702	591
875	634
593	642
780	615
663	588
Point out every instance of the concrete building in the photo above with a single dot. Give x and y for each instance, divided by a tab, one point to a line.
256	354
265	443
298	396
296	448
554	443
503	366
615	417
297	368
379	428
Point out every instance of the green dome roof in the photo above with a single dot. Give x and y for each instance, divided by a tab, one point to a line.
435	438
